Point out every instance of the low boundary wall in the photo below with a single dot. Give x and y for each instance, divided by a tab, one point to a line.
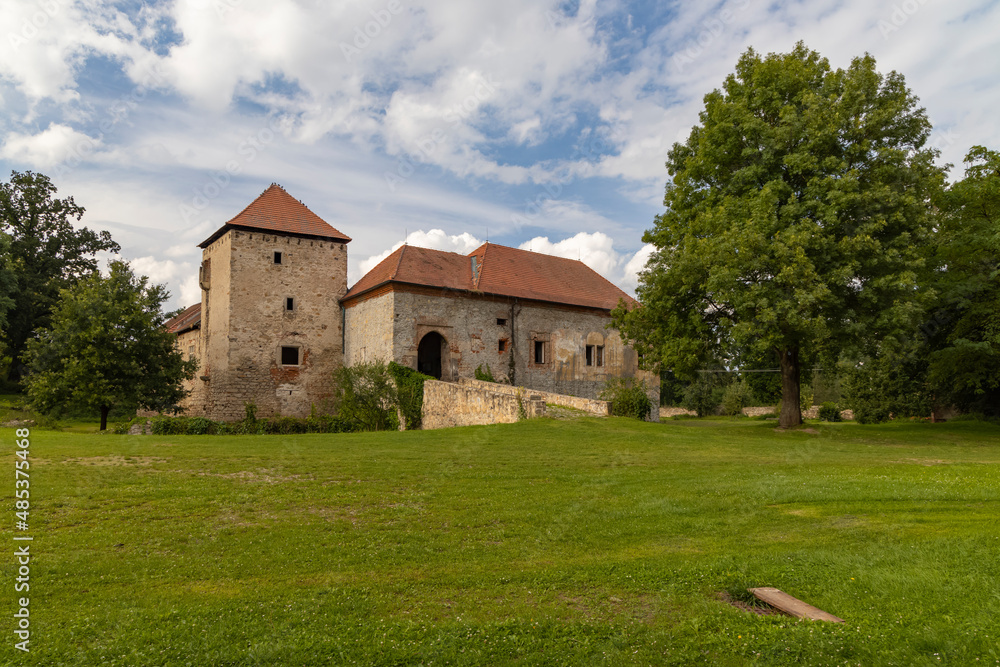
588	405
449	404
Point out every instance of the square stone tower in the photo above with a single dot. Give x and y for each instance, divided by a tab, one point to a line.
271	323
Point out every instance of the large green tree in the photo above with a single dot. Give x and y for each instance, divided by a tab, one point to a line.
795	220
46	252
964	364
107	348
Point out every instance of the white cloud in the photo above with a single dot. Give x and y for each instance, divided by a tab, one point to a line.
169	272
58	143
597	251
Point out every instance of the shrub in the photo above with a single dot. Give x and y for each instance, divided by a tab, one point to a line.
736	397
627	397
200	426
829	412
410	392
365	395
485	376
704	395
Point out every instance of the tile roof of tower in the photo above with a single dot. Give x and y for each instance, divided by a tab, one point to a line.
277	211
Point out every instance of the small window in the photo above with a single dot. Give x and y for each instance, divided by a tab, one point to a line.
600	355
289	303
502	345
590	355
191	352
289	356
501	322
277	257
539	352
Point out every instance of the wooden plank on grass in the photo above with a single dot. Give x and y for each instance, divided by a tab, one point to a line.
793	606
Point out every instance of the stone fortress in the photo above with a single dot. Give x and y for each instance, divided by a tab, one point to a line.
276	316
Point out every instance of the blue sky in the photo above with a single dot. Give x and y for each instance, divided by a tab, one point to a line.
541	125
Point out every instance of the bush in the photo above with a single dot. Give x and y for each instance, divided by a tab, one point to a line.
365	395
627	397
200	426
273	426
704	395
829	412
736	397
410	392
485	376
871	412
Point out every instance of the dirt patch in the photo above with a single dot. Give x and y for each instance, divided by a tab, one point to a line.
263	475
760	608
925	462
105	461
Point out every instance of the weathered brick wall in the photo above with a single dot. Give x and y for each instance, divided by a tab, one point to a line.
246	323
369	326
593	406
448	404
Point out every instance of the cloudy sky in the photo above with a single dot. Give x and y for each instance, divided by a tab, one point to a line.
543	125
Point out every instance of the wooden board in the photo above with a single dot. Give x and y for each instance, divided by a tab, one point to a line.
793	606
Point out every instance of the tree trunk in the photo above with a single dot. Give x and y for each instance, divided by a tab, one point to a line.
104	417
791	413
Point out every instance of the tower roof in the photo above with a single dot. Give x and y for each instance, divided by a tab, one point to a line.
277	211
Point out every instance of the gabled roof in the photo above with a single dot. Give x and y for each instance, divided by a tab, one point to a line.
277	211
500	271
189	319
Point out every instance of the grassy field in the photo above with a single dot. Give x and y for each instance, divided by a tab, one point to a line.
543	542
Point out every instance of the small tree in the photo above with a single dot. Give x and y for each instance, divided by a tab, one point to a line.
107	348
365	395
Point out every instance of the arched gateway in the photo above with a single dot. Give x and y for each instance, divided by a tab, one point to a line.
430	353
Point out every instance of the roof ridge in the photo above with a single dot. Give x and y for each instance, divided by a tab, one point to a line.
399	260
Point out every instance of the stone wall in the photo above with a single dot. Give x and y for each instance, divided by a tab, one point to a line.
448	404
246	322
369	326
668	412
475	326
592	406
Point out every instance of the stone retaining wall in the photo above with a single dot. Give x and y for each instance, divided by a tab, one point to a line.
589	405
449	404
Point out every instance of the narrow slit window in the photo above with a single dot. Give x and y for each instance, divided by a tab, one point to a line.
277	257
539	352
502	345
289	356
289	303
600	355
590	355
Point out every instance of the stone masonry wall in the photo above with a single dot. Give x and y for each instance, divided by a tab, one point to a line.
447	404
189	344
369	326
247	323
592	406
475	325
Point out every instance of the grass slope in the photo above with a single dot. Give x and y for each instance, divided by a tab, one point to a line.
542	542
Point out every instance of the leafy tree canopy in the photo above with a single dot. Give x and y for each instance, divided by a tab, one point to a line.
795	219
964	366
107	348
46	253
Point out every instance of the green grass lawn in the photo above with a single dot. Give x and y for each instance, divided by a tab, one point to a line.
543	542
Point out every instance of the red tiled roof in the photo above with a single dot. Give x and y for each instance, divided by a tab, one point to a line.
501	271
189	319
277	211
